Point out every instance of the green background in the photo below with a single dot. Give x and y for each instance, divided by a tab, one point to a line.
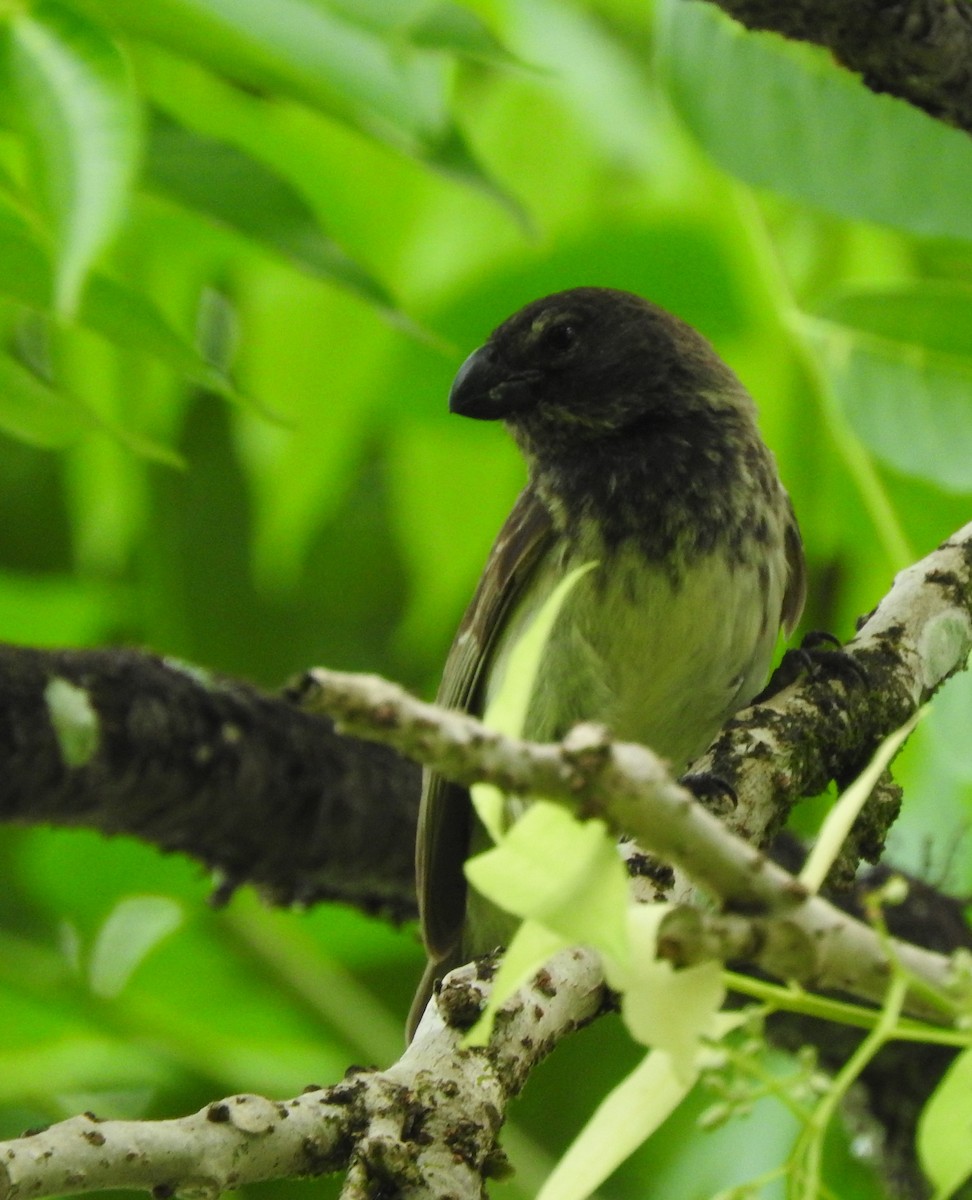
243	249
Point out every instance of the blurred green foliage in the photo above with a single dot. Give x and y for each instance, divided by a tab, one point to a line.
243	248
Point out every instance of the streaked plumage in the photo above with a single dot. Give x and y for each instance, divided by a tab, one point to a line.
643	454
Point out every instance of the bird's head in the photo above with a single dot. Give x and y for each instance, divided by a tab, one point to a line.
590	363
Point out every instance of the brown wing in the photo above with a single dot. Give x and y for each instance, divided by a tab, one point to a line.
445	813
796	579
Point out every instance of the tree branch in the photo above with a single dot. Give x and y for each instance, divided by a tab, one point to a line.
819	727
265	793
917	50
789	932
248	784
827	723
425	1128
81	752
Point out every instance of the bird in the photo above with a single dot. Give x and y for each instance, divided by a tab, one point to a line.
644	457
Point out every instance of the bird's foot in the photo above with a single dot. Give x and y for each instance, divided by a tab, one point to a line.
713	793
818	655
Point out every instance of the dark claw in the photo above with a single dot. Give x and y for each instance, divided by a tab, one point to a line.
836	661
712	792
812	660
820	637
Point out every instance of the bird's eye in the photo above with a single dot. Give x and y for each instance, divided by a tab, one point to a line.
557	339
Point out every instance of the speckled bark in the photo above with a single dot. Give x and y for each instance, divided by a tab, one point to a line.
270	794
246	783
917	50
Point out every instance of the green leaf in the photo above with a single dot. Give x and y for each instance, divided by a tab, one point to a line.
452	154
925	316
77	105
839	821
507	709
668	1009
782	115
530	948
674	1011
457	30
944	1147
563	873
272	139
34	412
950	720
438	25
908	403
381	16
131	932
301	49
79	1061
627	1115
130	320
140	444
125	317
313	53
59	610
508	705
237	191
41	415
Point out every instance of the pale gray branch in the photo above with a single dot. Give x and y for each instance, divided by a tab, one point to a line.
920	634
427	1127
812	942
826	727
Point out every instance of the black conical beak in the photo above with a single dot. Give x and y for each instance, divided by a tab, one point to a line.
485	390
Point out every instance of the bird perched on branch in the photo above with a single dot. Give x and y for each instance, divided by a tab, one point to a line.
644	456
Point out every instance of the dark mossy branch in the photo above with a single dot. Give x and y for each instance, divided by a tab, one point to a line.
918	50
266	792
248	784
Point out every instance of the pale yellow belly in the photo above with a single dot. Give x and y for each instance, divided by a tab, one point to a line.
657	663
